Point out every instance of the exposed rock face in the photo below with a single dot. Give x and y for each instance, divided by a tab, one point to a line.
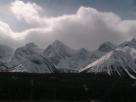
28	59
120	61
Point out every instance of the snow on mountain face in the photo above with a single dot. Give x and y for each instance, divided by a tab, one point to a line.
19	68
28	59
66	58
62	56
57	51
76	61
131	43
102	50
119	61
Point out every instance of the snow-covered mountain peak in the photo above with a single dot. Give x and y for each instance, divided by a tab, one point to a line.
27	50
107	58
83	50
31	45
118	61
58	43
82	54
115	56
65	57
133	40
31	60
58	50
131	43
106	47
59	46
131	51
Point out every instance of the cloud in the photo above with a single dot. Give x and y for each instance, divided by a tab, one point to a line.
9	37
87	28
30	12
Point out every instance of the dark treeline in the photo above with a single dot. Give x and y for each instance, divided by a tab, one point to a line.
68	87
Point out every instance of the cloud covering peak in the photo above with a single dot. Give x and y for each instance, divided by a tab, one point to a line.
87	28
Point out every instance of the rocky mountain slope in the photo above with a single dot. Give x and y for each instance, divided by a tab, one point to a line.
120	61
57	57
29	59
64	57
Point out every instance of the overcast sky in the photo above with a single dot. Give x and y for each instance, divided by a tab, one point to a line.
77	23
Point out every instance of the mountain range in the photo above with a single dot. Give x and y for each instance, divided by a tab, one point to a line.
119	61
58	57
